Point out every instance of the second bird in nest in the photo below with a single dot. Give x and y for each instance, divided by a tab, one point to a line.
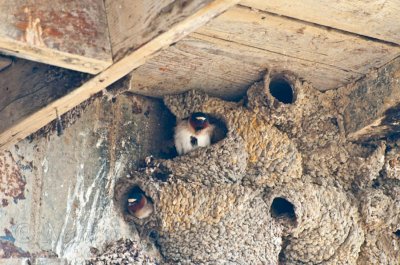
193	132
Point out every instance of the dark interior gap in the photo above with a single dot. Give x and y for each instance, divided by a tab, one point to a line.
281	90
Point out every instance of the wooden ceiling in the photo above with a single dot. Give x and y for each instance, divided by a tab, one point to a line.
167	46
231	51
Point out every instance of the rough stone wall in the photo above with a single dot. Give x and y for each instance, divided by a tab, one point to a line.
220	205
284	186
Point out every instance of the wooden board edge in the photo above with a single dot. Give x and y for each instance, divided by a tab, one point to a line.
53	57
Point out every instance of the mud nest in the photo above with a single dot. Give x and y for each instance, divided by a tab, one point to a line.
284	186
122	252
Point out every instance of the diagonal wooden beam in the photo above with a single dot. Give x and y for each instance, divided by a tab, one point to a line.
151	19
175	31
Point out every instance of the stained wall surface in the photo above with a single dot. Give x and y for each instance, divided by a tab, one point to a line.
57	191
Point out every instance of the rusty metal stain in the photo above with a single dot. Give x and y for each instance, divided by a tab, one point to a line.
8	249
12	183
42	27
33	30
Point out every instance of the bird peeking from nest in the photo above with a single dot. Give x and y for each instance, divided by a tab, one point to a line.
193	132
138	204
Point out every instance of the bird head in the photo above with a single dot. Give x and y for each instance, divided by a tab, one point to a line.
199	120
136	200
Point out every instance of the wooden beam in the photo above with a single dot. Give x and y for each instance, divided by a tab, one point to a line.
26	86
300	40
375	18
46	113
371	106
69	34
151	19
221	67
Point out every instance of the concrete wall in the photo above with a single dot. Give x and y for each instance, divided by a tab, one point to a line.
57	191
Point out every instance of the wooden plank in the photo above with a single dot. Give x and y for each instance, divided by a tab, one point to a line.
300	40
69	34
371	106
374	18
194	63
224	68
26	86
44	114
151	19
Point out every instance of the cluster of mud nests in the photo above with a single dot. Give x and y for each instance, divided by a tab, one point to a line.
284	186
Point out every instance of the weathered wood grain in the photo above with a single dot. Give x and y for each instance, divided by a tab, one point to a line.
69	34
373	18
225	69
300	40
371	106
135	22
46	113
26	86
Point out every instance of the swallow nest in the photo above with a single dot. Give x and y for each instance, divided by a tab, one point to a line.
122	252
283	187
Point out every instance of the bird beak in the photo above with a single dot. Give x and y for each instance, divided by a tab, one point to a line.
131	200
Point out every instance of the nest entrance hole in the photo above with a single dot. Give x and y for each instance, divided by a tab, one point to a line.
220	131
281	90
282	209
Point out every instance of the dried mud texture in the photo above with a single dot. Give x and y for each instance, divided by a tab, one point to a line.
392	161
380	209
326	229
272	158
124	251
284	187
